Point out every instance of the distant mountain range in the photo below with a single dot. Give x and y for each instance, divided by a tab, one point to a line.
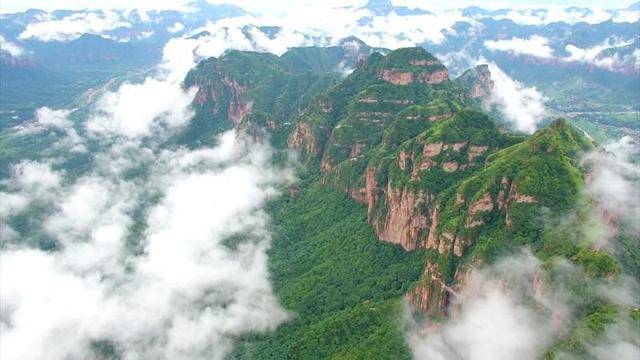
580	59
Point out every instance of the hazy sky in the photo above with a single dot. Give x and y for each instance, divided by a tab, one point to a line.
262	6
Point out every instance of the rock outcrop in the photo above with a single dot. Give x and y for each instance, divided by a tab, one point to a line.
302	138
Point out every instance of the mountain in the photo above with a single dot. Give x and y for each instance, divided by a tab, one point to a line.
406	189
582	61
385	7
254	90
292	201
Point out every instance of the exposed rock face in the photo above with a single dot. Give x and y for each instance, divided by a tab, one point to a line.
238	109
450	166
403	158
368	194
434	118
356	149
505	198
431	150
431	296
484	204
404	220
397	77
201	96
478	82
304	139
326	164
476	151
483	85
407	77
423	62
435	77
432	238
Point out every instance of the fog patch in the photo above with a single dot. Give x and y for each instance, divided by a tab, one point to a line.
522	106
536	45
10	48
73	26
614	180
491	317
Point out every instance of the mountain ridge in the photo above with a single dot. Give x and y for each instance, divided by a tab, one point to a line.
432	174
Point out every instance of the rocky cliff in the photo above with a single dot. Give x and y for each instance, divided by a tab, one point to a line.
411	145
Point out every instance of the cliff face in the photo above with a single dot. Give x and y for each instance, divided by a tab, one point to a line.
394	135
401	138
418	158
436	176
477	82
412	65
250	91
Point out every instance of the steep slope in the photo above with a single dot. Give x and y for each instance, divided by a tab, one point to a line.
441	184
343	285
240	85
261	92
351	117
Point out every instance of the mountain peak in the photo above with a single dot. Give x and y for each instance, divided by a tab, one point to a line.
408	65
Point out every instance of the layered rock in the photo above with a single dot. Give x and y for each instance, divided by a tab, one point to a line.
477	82
398	77
303	138
431	295
404	221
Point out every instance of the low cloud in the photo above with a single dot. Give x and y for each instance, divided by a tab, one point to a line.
31	181
615	180
522	106
569	15
160	252
535	46
183	294
518	308
73	26
492	317
598	57
135	110
47	119
10	48
176	27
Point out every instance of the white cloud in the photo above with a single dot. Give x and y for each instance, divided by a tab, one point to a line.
619	341
142	261
185	296
135	110
10	48
535	46
548	14
176	27
594	55
492	317
306	25
48	119
30	181
73	26
522	106
615	180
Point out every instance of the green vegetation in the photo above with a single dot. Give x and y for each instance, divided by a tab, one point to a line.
341	283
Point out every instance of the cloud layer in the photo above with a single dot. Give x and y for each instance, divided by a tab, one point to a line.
535	45
160	252
73	26
10	48
492	318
